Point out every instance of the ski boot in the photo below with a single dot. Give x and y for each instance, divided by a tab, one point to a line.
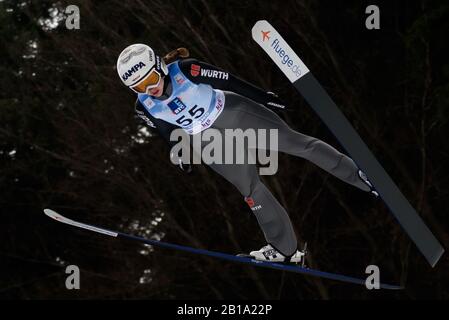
364	178
270	254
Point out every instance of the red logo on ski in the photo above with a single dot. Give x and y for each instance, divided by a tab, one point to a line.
265	35
195	70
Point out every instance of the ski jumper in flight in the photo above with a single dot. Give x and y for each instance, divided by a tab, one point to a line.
179	92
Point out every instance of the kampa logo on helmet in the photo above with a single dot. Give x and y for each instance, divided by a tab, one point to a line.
133	70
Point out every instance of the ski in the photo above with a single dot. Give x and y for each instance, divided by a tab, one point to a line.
245	260
307	85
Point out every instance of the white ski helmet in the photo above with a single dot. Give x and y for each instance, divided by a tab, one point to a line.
136	62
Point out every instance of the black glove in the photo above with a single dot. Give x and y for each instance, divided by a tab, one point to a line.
187	168
274	102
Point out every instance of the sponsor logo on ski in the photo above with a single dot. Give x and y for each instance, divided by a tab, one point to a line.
133	70
278	50
285	58
265	35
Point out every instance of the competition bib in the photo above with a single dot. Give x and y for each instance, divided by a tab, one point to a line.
193	107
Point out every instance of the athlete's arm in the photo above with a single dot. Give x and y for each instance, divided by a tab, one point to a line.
201	72
164	129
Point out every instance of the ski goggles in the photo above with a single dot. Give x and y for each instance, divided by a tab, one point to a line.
151	81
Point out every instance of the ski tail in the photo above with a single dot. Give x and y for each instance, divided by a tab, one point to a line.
393	198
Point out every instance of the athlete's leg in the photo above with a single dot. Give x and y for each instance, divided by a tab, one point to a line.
271	216
249	114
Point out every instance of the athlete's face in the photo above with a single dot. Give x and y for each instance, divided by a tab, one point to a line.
159	90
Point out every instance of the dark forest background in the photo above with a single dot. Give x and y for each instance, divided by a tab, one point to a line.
69	141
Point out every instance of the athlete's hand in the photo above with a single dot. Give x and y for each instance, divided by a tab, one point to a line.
187	168
176	160
274	101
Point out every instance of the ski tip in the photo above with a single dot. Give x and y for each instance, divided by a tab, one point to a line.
49	212
262	23
53	214
259	26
